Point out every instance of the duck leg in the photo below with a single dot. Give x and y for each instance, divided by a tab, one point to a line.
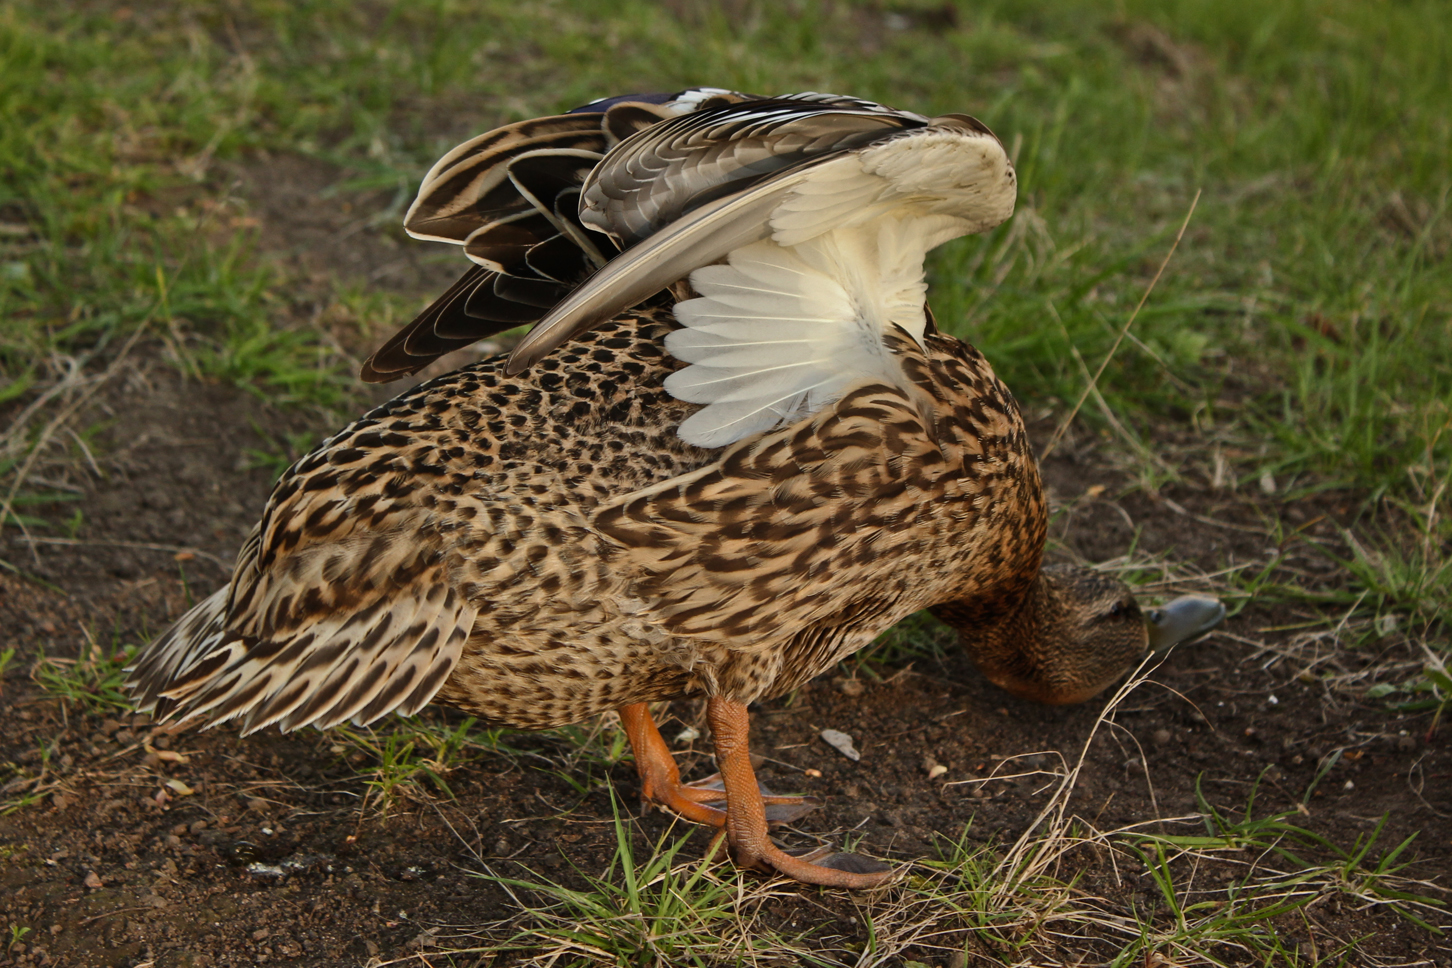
660	780
746	815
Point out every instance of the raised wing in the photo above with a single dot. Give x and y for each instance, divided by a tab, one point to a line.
801	273
802	222
654	177
511	198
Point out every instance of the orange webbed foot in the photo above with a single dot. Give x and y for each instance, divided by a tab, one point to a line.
746	817
703	801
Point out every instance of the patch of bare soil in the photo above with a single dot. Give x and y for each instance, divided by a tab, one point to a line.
320	228
147	846
310	217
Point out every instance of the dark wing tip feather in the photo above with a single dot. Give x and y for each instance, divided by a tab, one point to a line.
453	321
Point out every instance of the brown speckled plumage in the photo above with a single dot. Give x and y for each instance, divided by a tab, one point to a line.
719	499
608	562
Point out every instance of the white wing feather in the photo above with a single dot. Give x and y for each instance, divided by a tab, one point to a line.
791	321
780	332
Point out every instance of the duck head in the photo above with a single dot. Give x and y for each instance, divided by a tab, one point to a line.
1073	633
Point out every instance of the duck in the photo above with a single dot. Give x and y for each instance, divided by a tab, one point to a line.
733	448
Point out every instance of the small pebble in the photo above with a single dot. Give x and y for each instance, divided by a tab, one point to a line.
1348	785
1162	736
842	743
851	688
92	881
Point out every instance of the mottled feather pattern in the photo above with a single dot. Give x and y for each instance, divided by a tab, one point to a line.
792	531
600	560
197	633
641	503
664	171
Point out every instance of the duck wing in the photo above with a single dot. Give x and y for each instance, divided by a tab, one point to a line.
511	199
664	171
801	271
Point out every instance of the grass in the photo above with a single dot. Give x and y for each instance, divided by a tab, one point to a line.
410	758
1302	328
1247	889
658	910
1315	868
93	681
1299	342
1307	309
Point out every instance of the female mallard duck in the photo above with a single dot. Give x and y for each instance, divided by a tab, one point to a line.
722	498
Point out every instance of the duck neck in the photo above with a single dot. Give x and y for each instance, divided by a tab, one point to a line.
1007	639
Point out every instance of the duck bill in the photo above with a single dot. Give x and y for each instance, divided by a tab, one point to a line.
1186	618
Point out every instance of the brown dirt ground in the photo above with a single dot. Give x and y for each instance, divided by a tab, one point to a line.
277	856
107	872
